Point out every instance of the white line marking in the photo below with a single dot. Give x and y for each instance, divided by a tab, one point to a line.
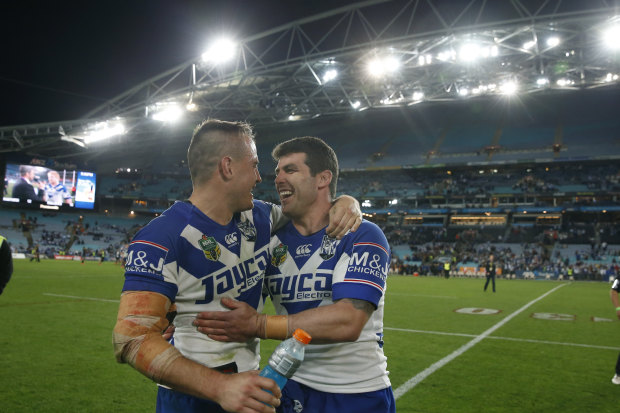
423	295
415	380
82	298
559	343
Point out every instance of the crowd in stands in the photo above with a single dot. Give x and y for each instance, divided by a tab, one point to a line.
423	250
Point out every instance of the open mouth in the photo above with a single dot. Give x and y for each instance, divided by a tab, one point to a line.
284	194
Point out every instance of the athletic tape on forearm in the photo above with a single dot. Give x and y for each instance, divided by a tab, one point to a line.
276	327
137	334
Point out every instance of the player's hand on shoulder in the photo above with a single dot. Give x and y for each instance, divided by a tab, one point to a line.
344	216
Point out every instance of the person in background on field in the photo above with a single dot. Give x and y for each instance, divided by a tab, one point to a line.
334	290
213	245
615	289
446	269
35	254
101	256
490	269
6	263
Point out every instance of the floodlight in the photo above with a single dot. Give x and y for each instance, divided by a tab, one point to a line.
463	91
366	203
509	88
470	52
417	96
382	66
356	104
611	37
191	106
529	45
329	75
166	112
220	51
610	77
542	81
103	130
553	41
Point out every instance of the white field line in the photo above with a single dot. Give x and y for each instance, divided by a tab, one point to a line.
559	343
415	380
82	298
423	295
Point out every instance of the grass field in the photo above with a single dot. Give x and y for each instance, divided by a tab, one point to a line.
542	352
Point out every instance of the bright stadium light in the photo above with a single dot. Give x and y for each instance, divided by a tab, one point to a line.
529	45
509	88
220	51
418	96
383	66
166	112
611	37
542	81
553	41
103	130
330	75
356	104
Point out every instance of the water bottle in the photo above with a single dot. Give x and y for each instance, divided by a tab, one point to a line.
286	358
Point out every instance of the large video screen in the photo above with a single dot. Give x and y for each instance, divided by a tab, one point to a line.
46	187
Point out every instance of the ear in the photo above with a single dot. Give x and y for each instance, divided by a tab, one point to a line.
225	168
325	178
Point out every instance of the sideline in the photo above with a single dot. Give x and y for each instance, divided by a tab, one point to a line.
415	380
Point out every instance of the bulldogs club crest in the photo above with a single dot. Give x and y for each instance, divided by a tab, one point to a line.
328	248
210	247
278	255
248	230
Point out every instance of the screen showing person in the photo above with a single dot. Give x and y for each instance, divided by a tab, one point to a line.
49	188
25	183
56	193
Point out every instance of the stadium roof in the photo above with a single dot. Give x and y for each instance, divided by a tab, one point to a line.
429	50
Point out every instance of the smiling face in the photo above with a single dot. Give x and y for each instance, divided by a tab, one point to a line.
295	184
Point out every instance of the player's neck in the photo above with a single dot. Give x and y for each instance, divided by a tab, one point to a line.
315	219
212	204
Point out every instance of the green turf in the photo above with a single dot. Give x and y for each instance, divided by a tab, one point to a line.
56	352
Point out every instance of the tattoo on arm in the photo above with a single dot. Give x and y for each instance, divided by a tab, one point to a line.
363	305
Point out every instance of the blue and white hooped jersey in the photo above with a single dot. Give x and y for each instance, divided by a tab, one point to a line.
57	194
195	261
307	272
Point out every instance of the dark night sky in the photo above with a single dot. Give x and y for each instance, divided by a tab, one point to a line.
61	59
